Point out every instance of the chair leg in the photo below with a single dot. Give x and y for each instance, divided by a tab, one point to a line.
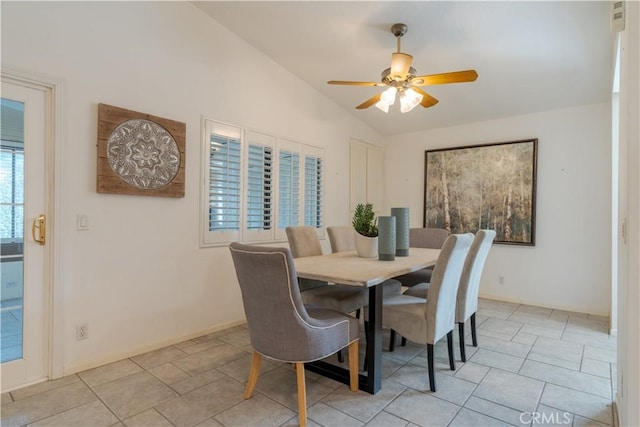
463	355
302	395
253	375
432	375
353	366
474	339
392	340
403	342
358	314
452	365
340	356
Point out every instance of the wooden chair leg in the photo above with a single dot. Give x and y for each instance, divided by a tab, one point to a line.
463	354
392	340
302	395
353	366
432	375
253	375
452	364
474	339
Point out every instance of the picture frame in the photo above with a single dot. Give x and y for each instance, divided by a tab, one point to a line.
490	186
139	154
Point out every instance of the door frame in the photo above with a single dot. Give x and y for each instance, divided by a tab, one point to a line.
54	132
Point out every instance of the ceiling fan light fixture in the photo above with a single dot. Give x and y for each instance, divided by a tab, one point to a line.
387	98
409	99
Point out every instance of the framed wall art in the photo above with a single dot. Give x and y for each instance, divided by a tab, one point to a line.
139	154
483	187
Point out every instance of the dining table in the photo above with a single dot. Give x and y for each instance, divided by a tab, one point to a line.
347	268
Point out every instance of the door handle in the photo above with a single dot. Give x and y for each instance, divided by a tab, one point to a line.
39	224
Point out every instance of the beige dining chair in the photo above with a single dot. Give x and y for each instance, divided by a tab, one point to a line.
469	287
427	321
293	333
431	238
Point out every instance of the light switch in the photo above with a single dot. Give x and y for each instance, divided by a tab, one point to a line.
82	221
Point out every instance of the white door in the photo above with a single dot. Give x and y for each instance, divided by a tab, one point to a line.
23	177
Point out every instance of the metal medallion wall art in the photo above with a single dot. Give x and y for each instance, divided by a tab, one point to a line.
139	154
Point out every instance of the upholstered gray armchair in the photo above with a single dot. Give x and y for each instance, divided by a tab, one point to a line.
427	321
293	333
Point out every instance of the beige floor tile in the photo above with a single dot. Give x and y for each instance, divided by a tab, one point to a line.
497	360
159	357
449	388
197	381
502	346
169	373
385	419
548	416
549	360
600	354
150	418
504	329
327	416
197	405
472	372
110	372
596	367
239	369
567	378
469	418
78	417
362	405
559	349
494	410
136	393
511	390
46	404
280	385
44	386
6	398
257	411
422	409
203	361
579	403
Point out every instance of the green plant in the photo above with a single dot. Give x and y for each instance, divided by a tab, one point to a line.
365	221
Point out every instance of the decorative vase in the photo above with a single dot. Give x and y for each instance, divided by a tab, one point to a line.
402	230
366	247
387	238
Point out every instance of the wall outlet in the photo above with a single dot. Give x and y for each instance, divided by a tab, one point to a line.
82	332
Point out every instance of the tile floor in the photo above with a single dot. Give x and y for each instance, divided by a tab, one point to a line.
533	366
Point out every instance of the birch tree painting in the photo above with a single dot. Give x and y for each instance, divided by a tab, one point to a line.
483	187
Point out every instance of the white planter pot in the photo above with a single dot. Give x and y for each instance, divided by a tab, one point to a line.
366	247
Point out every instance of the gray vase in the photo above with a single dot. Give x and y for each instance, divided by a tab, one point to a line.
386	238
402	230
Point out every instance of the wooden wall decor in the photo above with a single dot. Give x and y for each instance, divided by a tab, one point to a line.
483	186
139	154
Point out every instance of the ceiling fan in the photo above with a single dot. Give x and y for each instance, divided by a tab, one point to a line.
401	79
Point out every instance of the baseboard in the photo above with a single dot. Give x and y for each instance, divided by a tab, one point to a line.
74	369
552	306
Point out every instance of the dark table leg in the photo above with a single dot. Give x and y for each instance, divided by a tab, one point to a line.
370	381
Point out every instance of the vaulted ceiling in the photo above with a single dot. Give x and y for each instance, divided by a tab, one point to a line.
530	56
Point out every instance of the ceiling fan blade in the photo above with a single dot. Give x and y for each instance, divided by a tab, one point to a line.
400	64
427	100
342	82
369	102
438	79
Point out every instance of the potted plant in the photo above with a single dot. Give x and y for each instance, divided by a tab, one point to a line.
365	223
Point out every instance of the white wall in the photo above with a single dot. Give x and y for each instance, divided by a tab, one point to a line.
569	267
138	276
628	367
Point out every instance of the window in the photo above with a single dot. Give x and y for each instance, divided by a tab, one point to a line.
255	185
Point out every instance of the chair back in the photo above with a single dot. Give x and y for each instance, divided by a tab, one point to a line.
441	304
303	241
342	238
430	238
268	279
467	300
